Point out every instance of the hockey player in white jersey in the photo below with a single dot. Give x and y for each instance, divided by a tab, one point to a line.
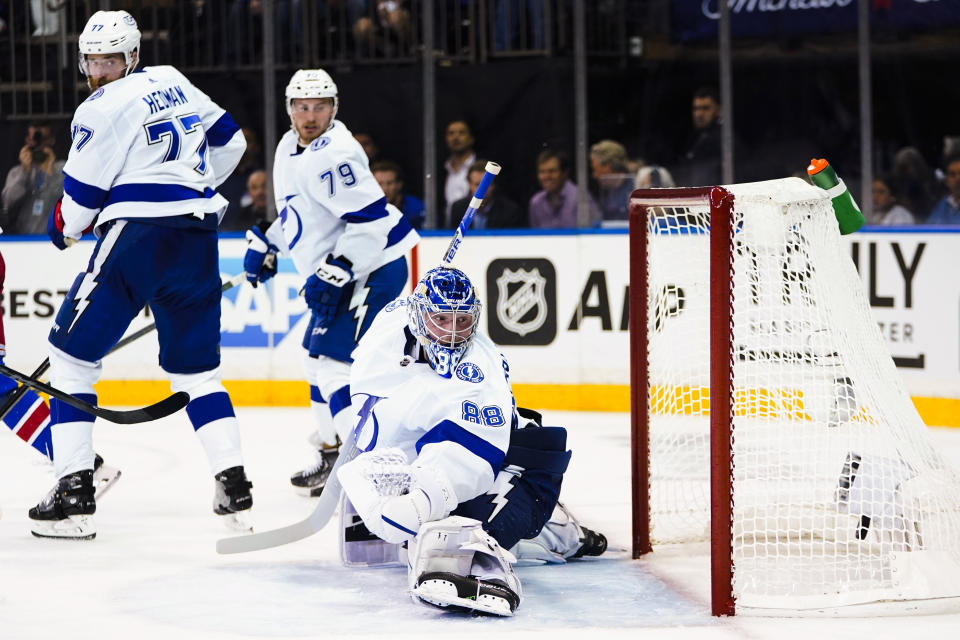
448	466
148	150
346	242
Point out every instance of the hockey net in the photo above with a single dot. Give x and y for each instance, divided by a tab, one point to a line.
761	380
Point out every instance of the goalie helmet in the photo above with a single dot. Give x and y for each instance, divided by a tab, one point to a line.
311	83
110	32
443	314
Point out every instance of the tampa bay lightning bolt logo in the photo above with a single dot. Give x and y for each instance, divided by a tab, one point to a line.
399	302
319	143
96	94
469	372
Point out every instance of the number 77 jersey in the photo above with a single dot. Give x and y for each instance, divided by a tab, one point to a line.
330	203
149	145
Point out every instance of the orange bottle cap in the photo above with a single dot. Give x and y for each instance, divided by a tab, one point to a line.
817	165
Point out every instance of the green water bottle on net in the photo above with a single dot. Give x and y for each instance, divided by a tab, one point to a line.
847	212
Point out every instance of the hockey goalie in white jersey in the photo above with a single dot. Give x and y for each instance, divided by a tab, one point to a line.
346	242
448	467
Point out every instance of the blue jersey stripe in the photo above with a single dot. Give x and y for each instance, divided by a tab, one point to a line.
448	431
399	232
316	395
61	412
371	212
148	192
393	523
221	131
206	409
339	400
85	195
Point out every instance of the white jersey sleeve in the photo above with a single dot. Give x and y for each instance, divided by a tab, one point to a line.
459	426
330	203
148	145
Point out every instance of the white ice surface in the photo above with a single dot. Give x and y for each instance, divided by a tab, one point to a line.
152	571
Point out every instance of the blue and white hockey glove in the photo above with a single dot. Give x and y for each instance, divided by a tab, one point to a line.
323	289
260	260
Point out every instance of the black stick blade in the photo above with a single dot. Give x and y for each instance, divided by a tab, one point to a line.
167	406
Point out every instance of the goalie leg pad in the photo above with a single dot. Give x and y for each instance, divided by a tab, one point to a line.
454	563
562	538
359	547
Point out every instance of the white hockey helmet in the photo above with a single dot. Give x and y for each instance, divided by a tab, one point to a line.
110	32
311	83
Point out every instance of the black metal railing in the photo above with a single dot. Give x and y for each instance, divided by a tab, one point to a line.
38	40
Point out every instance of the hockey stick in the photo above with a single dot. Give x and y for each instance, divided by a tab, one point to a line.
492	169
317	520
136	335
169	405
330	497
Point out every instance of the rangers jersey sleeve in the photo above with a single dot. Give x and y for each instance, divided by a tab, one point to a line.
330	203
148	145
458	425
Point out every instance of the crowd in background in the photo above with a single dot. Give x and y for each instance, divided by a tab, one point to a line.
913	191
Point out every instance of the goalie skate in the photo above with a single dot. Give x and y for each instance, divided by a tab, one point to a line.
67	510
104	476
448	590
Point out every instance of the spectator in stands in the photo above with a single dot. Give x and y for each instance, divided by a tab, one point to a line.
947	211
459	138
45	16
235	187
653	176
555	205
253	204
385	31
390	177
512	18
886	209
369	146
608	162
497	211
33	186
917	182
700	163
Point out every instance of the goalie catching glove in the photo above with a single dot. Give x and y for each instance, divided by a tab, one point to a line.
393	498
260	260
323	289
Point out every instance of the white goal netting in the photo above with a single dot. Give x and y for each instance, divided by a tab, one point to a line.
839	497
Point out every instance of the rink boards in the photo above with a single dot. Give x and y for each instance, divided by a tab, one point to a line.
556	303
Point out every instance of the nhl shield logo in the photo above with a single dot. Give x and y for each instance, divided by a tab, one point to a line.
515	303
522	301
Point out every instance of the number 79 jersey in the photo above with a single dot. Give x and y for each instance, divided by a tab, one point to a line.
460	425
329	202
147	145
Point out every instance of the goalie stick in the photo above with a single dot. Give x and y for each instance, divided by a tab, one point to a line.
12	400
327	503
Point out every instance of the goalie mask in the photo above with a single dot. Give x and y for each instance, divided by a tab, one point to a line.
443	316
311	83
110	32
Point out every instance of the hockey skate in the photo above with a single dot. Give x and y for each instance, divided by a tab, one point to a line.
104	476
313	479
232	499
66	512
